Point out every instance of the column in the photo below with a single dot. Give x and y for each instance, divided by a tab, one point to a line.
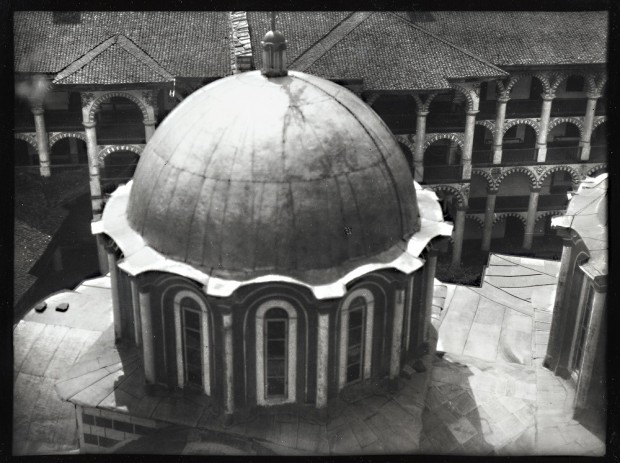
42	142
418	154
555	335
135	302
531	218
147	338
470	124
149	129
322	360
118	327
430	267
459	229
541	143
229	400
498	135
93	168
73	151
589	350
397	333
586	133
489	216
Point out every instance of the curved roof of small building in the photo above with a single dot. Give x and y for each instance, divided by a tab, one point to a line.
252	176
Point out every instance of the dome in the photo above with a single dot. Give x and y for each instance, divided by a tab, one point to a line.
253	175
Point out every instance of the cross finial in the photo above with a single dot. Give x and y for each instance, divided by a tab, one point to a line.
274	51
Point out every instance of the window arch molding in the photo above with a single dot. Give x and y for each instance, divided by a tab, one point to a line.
345	310
291	360
204	338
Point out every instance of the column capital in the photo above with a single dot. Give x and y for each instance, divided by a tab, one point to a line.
37	110
149	122
548	96
422	113
89	124
472	112
503	98
593	95
535	189
492	190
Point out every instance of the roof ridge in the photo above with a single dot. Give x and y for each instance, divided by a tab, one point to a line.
329	40
467	52
86	58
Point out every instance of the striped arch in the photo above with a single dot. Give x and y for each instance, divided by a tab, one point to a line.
59	136
106	96
565	75
471	92
485	174
550	81
113	148
476	219
407	140
487	124
28	138
457	193
514	170
593	169
600	120
504	87
545	214
573	173
531	122
432	138
503	215
555	121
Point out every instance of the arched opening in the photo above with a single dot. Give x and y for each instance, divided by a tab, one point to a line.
442	161
119	120
519	145
447	113
276	353
598	143
69	150
356	337
546	241
570	97
507	236
408	156
513	193
118	168
63	111
598	172
525	98
397	111
554	191
482	152
478	189
563	143
25	154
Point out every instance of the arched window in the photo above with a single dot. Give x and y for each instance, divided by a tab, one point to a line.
356	323
192	341
276	353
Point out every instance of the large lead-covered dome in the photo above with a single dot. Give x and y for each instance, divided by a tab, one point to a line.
253	175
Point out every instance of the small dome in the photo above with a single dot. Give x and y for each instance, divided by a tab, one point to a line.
253	175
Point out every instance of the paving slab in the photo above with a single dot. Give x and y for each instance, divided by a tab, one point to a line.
457	323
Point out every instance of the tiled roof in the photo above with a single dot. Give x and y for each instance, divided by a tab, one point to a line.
522	37
129	68
389	53
186	44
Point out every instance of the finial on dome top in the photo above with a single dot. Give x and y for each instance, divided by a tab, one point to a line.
274	51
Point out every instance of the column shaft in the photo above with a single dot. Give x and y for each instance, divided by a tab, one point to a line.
229	404
397	333
418	154
586	134
459	229
322	360
135	302
541	143
147	338
430	267
118	327
149	130
530	220
42	142
489	215
468	145
93	168
498	135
